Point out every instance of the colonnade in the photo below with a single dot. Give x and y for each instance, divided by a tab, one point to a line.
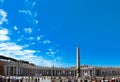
110	72
87	73
100	72
11	70
14	70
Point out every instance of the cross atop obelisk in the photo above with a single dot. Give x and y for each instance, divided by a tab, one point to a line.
78	61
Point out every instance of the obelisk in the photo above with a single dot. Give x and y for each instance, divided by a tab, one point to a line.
78	62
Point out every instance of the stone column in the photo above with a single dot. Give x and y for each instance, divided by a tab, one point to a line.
21	71
74	73
54	72
51	72
17	70
93	73
9	70
14	70
5	70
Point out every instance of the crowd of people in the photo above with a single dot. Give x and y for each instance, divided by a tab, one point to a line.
56	79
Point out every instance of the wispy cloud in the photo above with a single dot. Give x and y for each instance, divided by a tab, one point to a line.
30	4
28	30
15	28
31	38
39	37
27	12
3	16
46	42
31	16
52	52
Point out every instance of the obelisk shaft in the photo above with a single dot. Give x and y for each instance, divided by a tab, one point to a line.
78	62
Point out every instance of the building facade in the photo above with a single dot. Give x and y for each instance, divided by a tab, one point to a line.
12	67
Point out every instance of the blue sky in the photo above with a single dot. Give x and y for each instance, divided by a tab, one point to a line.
47	32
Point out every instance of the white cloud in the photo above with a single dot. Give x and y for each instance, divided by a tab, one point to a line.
4	38
3	31
27	12
39	37
9	46
3	35
36	21
21	53
29	51
3	16
31	38
52	52
50	63
28	30
15	28
46	42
